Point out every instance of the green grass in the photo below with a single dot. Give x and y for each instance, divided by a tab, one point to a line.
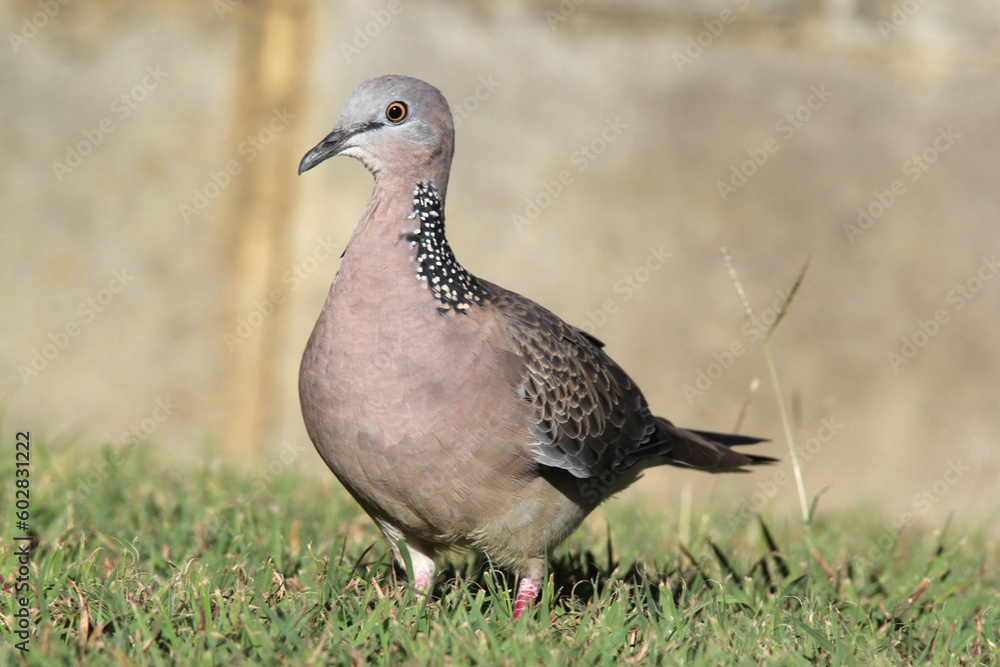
163	564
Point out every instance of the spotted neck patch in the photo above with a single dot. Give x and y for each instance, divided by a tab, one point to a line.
455	288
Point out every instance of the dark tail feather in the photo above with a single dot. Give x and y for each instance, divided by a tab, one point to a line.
727	439
701	449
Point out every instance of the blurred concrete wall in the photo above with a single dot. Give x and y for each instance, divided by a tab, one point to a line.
162	265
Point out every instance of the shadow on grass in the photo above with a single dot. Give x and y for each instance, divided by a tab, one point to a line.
580	578
583	581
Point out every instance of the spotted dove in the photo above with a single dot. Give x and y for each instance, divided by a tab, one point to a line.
457	413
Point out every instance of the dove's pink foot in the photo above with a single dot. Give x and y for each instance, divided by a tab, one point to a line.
527	591
423	570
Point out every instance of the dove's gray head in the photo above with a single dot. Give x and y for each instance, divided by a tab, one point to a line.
399	127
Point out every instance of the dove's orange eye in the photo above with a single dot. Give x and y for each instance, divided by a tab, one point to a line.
396	112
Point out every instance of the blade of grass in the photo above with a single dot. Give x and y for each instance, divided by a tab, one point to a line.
772	370
754	386
788	300
786	425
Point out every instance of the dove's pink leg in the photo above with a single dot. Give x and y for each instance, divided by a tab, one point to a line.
527	591
423	570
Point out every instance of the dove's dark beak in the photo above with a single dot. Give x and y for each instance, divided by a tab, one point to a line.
334	143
